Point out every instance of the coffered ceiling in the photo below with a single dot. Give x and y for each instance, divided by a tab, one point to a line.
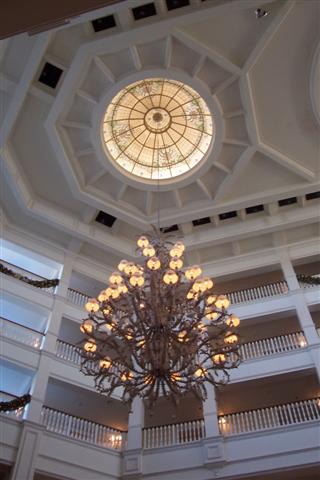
259	77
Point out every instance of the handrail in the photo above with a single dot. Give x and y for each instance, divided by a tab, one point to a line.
24	326
76	297
82	429
173	434
273	345
270	417
20	333
255	293
67	351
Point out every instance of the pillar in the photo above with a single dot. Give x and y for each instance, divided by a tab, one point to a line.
213	447
132	456
25	462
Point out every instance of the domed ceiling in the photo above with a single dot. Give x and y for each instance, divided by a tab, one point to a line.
204	110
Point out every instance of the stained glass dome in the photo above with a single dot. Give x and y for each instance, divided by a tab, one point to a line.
157	128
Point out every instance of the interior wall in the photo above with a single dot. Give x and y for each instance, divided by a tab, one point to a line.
251	331
165	412
259	393
87	404
248	281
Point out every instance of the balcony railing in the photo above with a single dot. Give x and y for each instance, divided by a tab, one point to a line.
78	298
239	296
8	397
20	334
68	352
82	429
273	345
28	274
270	417
307	284
174	434
249	350
257	293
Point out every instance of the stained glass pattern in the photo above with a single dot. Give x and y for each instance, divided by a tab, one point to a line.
157	128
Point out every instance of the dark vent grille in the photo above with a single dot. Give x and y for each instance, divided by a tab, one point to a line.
313	195
255	209
144	11
173	228
105	219
201	221
287	201
225	216
50	75
173	4
103	23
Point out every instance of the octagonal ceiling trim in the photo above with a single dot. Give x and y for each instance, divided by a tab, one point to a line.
199	170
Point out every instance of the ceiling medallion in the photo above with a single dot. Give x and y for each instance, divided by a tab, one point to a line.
157	129
158	330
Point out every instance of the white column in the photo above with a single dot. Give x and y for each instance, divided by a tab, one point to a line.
64	282
302	310
132	456
210	413
135	424
288	270
50	339
38	390
25	462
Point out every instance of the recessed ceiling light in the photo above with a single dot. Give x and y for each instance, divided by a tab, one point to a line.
103	23
50	75
144	11
105	219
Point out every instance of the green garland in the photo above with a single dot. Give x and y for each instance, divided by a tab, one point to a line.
309	279
34	283
15	404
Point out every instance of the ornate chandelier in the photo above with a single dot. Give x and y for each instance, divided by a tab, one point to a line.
157	330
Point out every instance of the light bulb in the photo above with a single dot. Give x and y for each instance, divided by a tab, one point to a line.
233	321
193	272
180	246
211	299
136	280
87	326
175	377
107	311
170	277
143	242
154	263
130	268
149	251
176	263
90	346
182	336
92	305
219	358
175	252
222	302
199	285
211	315
115	278
112	292
102	297
208	283
105	363
191	295
122	288
199	373
230	338
122	265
